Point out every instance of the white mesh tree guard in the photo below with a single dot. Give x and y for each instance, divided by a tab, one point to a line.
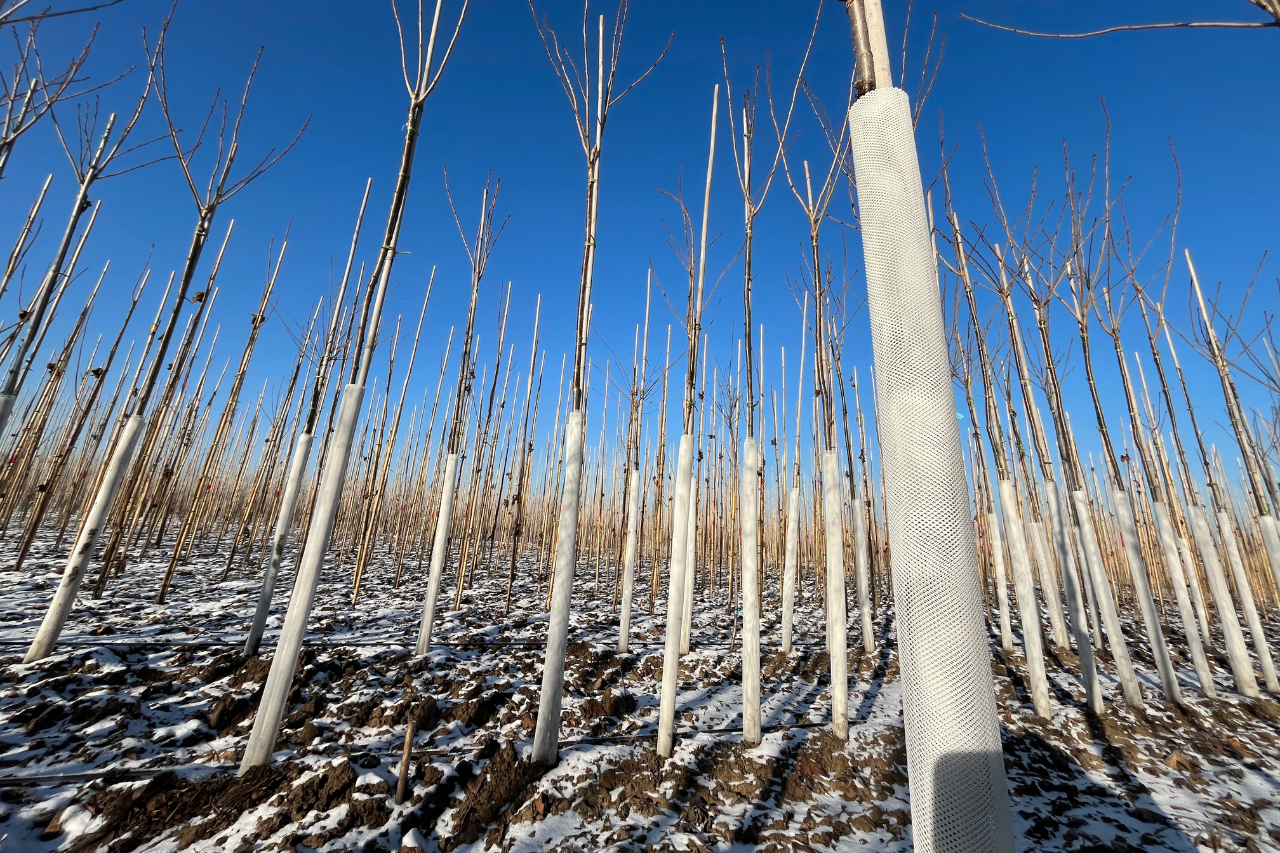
629	561
1048	583
1142	590
90	530
837	616
1028	607
862	565
1247	603
1106	605
1002	581
1270	540
1197	596
675	598
690	563
546	734
789	568
959	797
750	594
1237	654
275	694
1169	544
284	521
439	551
1075	597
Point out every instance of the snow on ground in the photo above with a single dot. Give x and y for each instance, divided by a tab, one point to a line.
128	737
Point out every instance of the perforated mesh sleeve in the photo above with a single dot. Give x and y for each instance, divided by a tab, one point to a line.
959	797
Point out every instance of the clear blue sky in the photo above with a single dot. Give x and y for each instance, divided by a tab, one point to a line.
499	107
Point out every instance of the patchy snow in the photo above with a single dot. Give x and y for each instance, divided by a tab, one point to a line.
129	736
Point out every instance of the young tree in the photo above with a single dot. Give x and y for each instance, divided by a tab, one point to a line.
275	695
590	99
90	163
959	795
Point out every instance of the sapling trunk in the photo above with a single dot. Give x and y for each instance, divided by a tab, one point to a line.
478	253
948	697
1085	293
792	556
1162	498
1033	643
122	456
631	463
222	433
675	595
1076	502
275	695
77	421
590	120
695	502
1262	505
21	246
34	319
862	540
683	519
1198	516
520	497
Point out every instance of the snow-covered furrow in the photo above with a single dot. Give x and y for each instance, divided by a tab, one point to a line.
128	738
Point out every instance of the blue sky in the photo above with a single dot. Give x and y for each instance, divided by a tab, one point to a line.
500	108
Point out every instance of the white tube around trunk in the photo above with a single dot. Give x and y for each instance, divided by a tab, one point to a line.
675	596
6	409
862	568
959	793
1169	545
90	530
1049	585
1245	591
837	618
690	567
1002	583
750	511
1028	606
1058	516
1270	538
629	561
439	552
1197	597
275	695
284	520
1146	603
790	558
1237	653
546	736
1106	603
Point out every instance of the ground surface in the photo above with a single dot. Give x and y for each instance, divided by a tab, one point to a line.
128	737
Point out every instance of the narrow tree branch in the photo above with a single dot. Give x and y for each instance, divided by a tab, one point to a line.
1173	25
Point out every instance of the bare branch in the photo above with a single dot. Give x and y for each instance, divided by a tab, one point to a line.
6	16
1175	25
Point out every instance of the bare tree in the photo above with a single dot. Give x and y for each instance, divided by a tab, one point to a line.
90	163
427	72
220	187
590	100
